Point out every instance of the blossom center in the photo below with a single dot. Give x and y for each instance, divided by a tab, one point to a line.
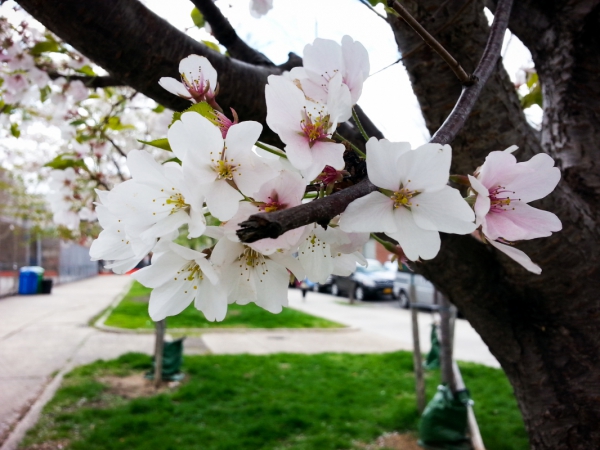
403	197
224	169
315	128
196	87
177	201
272	205
499	199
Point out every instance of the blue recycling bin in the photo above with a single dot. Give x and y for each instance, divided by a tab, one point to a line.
30	278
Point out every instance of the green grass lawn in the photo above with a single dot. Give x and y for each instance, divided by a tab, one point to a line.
275	402
132	312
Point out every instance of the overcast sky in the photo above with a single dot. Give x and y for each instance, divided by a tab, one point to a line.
387	96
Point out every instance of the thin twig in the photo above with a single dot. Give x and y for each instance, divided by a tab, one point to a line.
227	36
359	125
269	149
459	115
342	139
460	73
272	225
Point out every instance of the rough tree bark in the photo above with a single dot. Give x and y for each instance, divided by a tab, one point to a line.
543	329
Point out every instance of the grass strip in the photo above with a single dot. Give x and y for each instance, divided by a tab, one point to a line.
274	402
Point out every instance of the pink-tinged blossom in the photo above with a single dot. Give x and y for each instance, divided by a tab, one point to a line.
220	168
16	83
414	202
324	59
180	276
306	127
259	8
282	192
198	80
503	188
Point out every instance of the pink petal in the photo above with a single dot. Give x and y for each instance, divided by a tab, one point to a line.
520	222
517	255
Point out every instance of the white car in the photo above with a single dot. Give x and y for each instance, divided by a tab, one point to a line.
425	293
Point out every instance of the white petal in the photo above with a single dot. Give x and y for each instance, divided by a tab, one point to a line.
212	301
538	178
499	168
371	213
174	87
241	287
324	154
443	210
223	200
425	169
415	242
382	161
482	202
284	104
241	138
165	226
194	66
163	269
195	140
171	298
271	287
517	255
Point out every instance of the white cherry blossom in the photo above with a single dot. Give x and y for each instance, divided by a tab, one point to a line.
416	203
259	8
220	167
180	276
157	200
198	80
251	276
324	58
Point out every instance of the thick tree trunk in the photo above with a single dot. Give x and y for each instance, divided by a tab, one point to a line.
543	329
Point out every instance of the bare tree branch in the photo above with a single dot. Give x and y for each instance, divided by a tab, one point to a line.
272	225
227	36
460	73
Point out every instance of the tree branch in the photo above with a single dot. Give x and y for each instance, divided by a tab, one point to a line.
227	36
460	73
272	225
91	82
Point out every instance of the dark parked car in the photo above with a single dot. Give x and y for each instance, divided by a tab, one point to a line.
373	281
323	287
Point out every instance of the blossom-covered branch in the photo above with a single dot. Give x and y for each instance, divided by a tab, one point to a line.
266	225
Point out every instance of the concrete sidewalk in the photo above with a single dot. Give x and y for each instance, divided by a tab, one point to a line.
42	334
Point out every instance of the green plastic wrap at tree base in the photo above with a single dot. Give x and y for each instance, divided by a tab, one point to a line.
172	360
433	357
444	422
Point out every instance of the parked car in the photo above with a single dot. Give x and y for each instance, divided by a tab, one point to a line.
424	292
373	281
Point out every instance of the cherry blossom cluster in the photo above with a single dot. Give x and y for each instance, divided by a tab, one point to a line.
50	118
220	173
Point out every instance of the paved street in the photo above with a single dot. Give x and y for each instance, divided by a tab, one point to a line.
375	327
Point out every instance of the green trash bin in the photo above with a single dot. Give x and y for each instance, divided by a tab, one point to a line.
444	423
172	360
